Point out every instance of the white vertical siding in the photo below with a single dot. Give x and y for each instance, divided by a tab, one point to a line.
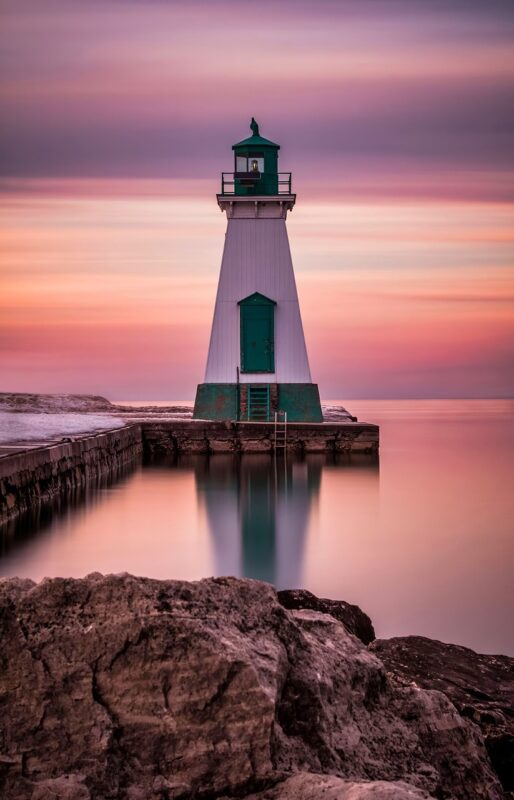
256	258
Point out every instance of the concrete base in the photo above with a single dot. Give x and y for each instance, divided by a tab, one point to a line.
202	436
229	401
216	401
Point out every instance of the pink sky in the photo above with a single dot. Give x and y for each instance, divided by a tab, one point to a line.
396	119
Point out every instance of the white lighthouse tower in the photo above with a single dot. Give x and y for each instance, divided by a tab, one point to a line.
257	362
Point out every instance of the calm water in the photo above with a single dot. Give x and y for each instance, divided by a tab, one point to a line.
423	541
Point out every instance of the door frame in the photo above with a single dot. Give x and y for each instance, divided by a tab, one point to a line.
260	301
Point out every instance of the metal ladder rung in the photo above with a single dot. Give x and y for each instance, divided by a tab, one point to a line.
281	430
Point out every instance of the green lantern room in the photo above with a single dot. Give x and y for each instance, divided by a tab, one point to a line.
256	165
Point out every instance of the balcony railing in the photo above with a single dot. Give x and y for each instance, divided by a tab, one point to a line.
229	181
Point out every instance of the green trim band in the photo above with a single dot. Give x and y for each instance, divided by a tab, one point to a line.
229	401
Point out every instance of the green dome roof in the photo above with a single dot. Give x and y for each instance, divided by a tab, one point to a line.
256	140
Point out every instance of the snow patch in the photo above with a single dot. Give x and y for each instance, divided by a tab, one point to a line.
30	426
337	414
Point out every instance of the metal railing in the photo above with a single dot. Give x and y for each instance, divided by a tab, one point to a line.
229	181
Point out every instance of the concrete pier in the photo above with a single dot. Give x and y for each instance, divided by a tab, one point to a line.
38	475
200	436
35	475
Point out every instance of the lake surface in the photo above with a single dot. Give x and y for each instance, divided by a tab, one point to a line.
422	541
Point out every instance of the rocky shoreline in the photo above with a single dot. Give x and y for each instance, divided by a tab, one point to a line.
123	687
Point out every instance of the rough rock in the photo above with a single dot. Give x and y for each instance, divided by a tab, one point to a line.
354	620
333	413
51	403
306	786
67	787
138	689
480	686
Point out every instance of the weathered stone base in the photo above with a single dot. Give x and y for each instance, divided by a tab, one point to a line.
201	436
229	401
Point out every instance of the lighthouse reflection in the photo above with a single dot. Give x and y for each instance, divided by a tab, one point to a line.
258	510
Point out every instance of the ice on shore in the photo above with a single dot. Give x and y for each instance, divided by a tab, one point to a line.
44	417
30	426
23	403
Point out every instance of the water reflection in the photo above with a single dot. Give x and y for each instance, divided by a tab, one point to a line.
16	535
187	518
426	546
258	509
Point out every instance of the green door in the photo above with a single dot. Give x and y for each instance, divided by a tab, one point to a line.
257	334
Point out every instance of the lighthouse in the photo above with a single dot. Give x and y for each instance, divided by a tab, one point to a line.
257	363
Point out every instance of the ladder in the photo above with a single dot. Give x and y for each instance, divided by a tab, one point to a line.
258	403
281	430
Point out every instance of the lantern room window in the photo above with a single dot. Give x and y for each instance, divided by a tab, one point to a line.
253	163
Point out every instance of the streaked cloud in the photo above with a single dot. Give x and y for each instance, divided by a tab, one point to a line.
377	91
114	291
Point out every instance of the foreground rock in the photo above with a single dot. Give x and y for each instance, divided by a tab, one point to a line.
354	620
118	687
306	786
481	687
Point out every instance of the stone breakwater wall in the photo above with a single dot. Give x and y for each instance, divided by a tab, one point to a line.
35	476
191	436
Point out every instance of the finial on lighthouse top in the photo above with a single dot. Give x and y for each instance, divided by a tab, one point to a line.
255	139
